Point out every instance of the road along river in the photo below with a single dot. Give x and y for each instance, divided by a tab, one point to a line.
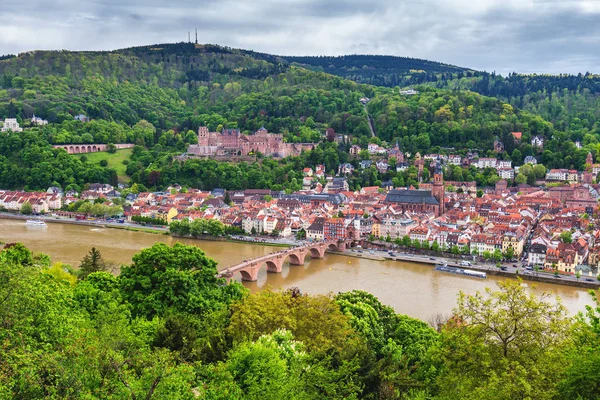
413	289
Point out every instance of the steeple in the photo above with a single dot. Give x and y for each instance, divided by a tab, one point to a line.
438	190
196	35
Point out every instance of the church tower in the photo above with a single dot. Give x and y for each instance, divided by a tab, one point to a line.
438	190
589	161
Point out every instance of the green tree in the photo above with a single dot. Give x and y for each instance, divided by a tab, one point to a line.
92	262
566	237
269	368
497	255
179	278
487	255
509	254
582	371
520	178
507	344
26	208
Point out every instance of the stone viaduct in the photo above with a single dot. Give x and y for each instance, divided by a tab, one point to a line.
274	261
90	148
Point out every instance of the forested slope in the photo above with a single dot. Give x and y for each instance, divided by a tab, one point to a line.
157	96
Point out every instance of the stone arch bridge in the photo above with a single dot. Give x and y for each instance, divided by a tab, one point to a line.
274	261
90	148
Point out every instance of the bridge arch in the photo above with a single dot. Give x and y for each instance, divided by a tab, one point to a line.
296	258
94	148
70	150
274	266
246	276
317	252
89	149
333	247
77	150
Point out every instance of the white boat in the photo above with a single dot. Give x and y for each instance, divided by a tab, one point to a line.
36	223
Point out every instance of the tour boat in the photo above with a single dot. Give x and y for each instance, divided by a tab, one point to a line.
460	271
36	223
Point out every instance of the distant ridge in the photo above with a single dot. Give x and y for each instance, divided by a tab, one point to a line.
374	62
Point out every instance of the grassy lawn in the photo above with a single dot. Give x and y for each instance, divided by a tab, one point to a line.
114	160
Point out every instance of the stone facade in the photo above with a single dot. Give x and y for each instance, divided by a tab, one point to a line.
231	142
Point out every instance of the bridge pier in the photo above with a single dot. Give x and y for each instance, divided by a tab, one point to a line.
297	258
250	273
276	265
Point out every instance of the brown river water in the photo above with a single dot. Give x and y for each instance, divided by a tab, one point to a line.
413	289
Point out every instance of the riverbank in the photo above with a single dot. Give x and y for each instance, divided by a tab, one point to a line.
366	254
139	228
94	223
412	288
493	270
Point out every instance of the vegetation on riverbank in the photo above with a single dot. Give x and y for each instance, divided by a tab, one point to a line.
167	328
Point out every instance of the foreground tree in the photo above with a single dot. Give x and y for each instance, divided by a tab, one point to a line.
92	262
505	345
175	279
582	375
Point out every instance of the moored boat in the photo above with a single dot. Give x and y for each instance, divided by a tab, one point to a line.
460	271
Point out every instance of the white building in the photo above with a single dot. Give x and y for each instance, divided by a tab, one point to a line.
376	149
396	228
11	124
454	160
537	141
487	163
38	121
408	92
557	175
506	173
503	164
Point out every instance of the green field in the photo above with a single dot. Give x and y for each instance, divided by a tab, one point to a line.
114	160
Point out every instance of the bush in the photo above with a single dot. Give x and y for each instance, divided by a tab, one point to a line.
103	163
125	162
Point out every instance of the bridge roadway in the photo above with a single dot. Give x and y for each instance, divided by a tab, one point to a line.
274	261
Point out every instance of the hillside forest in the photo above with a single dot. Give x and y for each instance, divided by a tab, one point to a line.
157	96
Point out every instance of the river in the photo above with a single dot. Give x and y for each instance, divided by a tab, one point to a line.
413	289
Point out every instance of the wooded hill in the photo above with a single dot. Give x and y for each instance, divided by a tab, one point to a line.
157	96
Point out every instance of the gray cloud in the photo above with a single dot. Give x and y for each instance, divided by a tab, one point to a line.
544	36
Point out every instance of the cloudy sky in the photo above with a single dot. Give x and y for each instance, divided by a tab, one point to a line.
544	36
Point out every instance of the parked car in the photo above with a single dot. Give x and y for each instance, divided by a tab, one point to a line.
589	280
504	268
